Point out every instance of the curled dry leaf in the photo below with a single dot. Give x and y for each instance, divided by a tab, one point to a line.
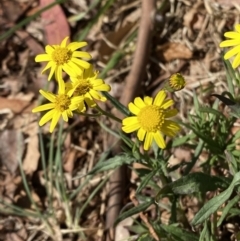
171	51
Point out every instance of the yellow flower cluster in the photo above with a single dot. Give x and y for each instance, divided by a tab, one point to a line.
150	117
85	86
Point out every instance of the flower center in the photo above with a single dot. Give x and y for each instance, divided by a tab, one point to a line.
62	102
61	55
84	86
151	118
177	81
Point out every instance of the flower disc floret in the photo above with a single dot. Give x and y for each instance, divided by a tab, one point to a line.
62	102
61	55
150	119
156	121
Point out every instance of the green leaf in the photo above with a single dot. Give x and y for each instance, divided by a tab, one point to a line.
227	209
211	206
179	232
145	180
117	104
140	208
112	163
193	182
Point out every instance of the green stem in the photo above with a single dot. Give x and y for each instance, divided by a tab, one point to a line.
108	114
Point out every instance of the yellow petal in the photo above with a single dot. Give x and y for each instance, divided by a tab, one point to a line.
65	116
170	128
76	45
43	107
148	141
229	43
81	54
53	69
148	100
132	120
81	63
64	42
232	52
141	134
167	103
160	97
42	58
49	65
236	61
170	113
133	108
47	117
61	86
71	69
139	103
232	35
159	140
48	95
49	49
55	119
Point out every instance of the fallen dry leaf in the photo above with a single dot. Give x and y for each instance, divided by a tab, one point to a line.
30	162
171	51
55	23
15	105
11	149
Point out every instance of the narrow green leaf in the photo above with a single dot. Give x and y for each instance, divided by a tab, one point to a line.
112	163
179	232
226	209
193	182
140	208
211	206
117	104
145	180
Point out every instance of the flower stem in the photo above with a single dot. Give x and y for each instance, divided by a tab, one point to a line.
108	114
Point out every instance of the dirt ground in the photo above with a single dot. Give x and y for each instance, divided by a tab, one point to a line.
182	36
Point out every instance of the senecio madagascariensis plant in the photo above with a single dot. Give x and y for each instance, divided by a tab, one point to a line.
233	41
150	116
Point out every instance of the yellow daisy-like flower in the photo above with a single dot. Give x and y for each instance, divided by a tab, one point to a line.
89	86
62	104
64	57
233	41
150	119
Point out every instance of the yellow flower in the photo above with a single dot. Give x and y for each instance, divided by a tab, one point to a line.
233	41
64	57
150	119
89	86
176	82
62	104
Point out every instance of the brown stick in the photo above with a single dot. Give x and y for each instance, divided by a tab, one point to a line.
118	181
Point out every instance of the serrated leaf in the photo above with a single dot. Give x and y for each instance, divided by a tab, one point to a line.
112	163
193	182
140	208
211	206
